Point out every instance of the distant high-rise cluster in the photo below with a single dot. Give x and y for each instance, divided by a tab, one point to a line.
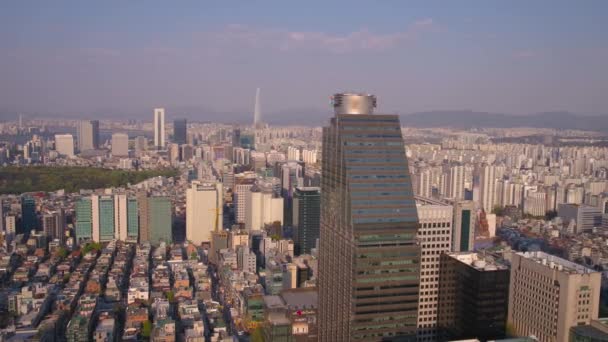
159	128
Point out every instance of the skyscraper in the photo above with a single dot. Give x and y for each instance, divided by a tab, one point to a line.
257	114
368	257
180	131
434	236
159	128
132	220
456	182
53	224
88	135
204	211
161	219
120	145
84	220
29	219
487	187
306	218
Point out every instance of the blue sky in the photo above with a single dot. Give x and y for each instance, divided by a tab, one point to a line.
209	56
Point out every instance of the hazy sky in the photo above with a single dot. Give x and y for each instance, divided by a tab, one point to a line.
129	56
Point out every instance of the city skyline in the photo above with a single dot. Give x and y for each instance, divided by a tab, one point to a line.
516	58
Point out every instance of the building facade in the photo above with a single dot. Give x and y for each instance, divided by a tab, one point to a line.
159	128
306	218
549	295
368	257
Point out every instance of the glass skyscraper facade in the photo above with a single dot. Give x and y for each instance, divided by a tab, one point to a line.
29	219
106	218
84	219
180	131
369	258
160	216
132	220
306	218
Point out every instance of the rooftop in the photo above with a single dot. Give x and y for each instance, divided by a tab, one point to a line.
479	261
553	261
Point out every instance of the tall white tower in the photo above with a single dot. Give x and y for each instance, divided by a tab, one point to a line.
159	128
257	115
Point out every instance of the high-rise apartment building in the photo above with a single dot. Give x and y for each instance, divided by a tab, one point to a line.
88	135
161	217
306	218
204	211
487	187
53	224
120	145
180	131
64	144
463	232
159	128
262	208
549	295
368	257
456	182
434	238
473	297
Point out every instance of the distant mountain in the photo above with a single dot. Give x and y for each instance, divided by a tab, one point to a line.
471	119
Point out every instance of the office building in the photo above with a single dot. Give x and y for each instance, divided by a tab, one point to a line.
368	255
141	144
132	220
107	226
161	219
306	218
120	145
121	216
434	238
180	131
549	295
144	218
159	128
473	297
83	227
204	211
597	331
29	218
88	135
463	232
64	144
585	217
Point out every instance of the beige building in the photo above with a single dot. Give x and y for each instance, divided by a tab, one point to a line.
204	211
548	295
64	144
435	238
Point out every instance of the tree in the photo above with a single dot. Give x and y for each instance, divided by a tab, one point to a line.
498	210
146	330
170	296
193	255
62	252
257	335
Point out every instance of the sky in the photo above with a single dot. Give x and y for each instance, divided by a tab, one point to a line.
92	58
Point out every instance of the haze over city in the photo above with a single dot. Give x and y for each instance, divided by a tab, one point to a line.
361	171
204	61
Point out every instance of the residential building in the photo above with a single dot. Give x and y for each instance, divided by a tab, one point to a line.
204	211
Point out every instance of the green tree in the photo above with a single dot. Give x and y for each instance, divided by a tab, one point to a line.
193	255
498	210
170	296
257	335
146	330
62	252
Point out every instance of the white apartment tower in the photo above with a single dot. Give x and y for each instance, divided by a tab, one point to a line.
262	208
456	182
204	211
159	128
